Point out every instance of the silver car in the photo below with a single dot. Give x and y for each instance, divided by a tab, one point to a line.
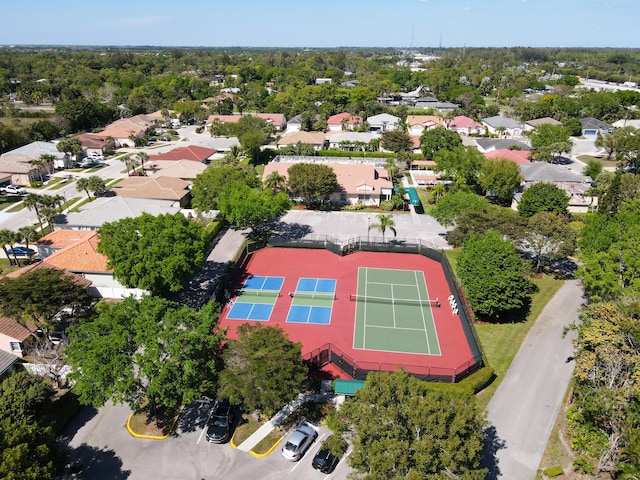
299	441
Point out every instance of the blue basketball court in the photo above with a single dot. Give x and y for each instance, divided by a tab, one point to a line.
312	301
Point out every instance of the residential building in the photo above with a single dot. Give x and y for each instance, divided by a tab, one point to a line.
190	153
14	338
383	122
489	144
417	124
343	121
350	141
463	125
155	187
591	127
16	166
358	181
317	139
503	126
294	124
521	157
533	124
126	130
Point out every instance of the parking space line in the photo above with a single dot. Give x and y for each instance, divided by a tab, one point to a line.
205	427
308	452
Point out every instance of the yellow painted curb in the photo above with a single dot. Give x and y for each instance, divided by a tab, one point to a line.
233	445
151	437
260	455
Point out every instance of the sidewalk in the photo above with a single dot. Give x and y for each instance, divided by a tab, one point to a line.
280	417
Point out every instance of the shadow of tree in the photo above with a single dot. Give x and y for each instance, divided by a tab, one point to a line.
290	230
491	444
192	417
83	416
95	464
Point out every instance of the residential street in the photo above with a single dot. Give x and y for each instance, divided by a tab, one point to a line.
524	409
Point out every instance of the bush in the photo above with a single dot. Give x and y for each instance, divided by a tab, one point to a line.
386	205
352	208
553	471
199	129
473	384
212	229
584	466
36	184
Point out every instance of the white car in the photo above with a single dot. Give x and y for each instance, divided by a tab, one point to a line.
299	442
15	190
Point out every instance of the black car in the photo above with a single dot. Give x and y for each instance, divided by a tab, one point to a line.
221	422
324	461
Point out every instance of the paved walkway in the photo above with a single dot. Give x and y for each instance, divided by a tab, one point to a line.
524	409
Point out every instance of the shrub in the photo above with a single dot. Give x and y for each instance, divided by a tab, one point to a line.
350	208
584	466
386	205
36	184
553	471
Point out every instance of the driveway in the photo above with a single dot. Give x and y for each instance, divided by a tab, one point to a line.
524	409
101	448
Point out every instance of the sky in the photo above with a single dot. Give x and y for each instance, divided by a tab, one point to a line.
323	23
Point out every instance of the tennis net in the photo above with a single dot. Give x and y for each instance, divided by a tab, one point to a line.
260	293
395	301
313	295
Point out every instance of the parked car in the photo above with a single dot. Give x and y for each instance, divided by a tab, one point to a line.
21	251
324	461
299	442
15	190
221	422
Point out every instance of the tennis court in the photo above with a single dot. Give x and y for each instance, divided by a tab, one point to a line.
394	312
312	301
256	299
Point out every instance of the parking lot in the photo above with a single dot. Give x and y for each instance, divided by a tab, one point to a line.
101	448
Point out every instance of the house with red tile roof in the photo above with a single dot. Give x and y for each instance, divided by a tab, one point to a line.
184	169
76	251
192	152
358	182
14	338
155	187
278	120
122	131
343	121
464	125
92	143
419	123
521	157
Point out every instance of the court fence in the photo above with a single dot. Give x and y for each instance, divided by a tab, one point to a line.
358	370
416	246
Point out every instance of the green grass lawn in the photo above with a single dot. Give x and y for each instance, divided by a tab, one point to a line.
501	342
602	160
7	200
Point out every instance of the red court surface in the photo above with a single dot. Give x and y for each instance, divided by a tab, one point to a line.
292	264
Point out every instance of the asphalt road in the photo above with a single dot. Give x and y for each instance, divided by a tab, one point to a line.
524	409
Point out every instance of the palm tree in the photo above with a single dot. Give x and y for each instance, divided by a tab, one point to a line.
385	221
95	184
33	201
83	185
437	191
6	238
39	163
391	167
28	234
142	157
59	201
275	181
48	159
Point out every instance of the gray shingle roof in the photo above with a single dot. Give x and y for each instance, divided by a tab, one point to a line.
6	360
548	172
500	143
591	123
500	121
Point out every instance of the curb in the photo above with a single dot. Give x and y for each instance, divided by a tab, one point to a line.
261	455
233	445
150	437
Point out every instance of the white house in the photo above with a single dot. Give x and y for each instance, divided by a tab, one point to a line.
383	123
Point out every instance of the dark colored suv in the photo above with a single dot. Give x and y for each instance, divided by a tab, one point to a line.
324	461
221	422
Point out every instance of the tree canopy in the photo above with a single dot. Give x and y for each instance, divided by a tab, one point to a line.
500	178
209	185
397	141
403	430
543	197
151	349
312	181
548	140
263	369
453	204
494	275
154	253
461	165
434	140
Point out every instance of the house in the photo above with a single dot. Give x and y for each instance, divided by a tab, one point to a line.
278	120
222	119
184	169
419	123
423	173
576	186
15	339
591	127
155	187
126	130
503	126
76	251
311	138
92	144
358	182
111	209
350	141
343	121
16	166
222	145
191	153
7	361
521	157
294	124
533	124
463	125
490	144
430	103
383	122
635	123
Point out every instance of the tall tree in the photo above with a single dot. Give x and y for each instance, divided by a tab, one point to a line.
543	197
312	181
436	139
396	141
385	222
263	369
403	430
548	140
82	185
461	165
153	349
547	235
494	275
454	204
72	149
500	178
155	253
208	185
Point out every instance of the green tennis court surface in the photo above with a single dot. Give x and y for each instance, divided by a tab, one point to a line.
394	312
